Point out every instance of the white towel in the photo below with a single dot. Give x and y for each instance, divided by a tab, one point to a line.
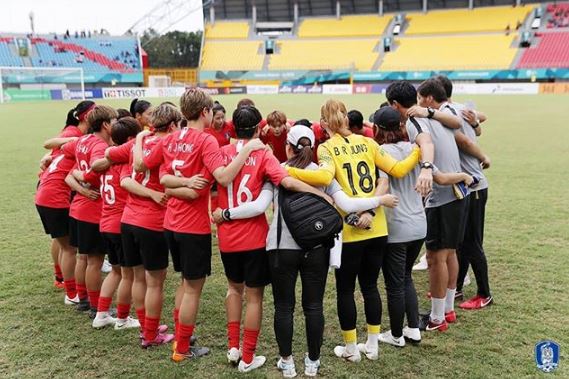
336	252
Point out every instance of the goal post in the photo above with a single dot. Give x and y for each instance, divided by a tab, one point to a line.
18	82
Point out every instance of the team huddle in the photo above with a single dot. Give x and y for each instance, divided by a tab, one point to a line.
144	187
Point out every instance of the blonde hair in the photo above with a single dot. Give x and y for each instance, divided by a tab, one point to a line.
163	115
193	102
334	112
99	115
275	116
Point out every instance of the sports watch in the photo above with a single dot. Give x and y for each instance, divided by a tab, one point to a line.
226	215
431	112
427	165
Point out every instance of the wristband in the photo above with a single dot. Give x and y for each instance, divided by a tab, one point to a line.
226	215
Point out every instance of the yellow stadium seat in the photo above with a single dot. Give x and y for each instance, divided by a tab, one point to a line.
347	26
232	55
325	54
227	30
469	52
465	20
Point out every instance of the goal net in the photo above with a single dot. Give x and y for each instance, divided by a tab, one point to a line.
36	83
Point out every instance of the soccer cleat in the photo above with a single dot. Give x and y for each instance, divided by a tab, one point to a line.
342	352
92	313
387	337
233	356
106	267
102	320
194	352
257	362
450	317
426	324
371	354
311	367
68	301
162	329
127	323
287	367
83	305
412	335
161	339
58	284
458	295
422	264
477	302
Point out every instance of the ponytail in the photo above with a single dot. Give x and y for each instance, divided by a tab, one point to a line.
336	115
71	119
138	106
79	113
303	154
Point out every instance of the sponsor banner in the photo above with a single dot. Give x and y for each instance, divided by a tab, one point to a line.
296	89
554	88
262	89
369	88
165	91
496	88
212	91
124	93
14	95
337	89
69	94
72	77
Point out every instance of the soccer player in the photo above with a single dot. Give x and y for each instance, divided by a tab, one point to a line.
274	134
352	160
183	155
221	130
140	110
445	212
85	213
472	160
53	197
356	124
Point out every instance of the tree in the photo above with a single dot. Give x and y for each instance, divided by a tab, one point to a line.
173	49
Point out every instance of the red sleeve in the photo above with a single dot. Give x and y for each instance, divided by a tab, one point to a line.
121	154
265	137
273	169
165	169
126	171
156	156
231	129
211	154
207	189
69	149
71	131
92	177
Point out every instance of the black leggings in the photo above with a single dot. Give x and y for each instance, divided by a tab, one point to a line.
361	260
401	294
313	268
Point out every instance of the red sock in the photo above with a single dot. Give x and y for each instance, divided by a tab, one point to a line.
233	330
82	291
141	313
151	328
70	288
94	298
183	338
249	344
122	310
104	304
176	322
58	273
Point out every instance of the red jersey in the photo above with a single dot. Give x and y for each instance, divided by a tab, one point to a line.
251	233
121	154
277	144
320	136
223	136
53	192
186	153
143	211
114	199
86	150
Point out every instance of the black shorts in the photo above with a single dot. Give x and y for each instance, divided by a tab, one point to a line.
249	267
191	254
55	221
446	225
85	236
113	247
144	247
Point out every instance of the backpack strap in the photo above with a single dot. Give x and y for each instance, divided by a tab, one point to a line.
416	124
279	227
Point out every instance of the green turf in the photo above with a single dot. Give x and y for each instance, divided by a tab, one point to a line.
527	239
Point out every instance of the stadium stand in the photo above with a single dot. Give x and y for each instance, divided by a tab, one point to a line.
227	30
228	55
451	53
347	26
558	15
491	19
551	50
7	56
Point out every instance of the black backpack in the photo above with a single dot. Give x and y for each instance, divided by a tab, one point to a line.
311	220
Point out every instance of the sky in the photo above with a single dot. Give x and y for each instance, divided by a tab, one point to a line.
116	16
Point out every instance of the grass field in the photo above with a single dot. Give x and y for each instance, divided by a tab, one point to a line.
527	243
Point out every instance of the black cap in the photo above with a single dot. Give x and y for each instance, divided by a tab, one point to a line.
387	118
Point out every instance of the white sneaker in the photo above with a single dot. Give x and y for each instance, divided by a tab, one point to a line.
257	362
311	367
412	335
103	319
371	354
68	301
106	267
466	281
387	337
127	323
233	355
342	352
287	367
422	264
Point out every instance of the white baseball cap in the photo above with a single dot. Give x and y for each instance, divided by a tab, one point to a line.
300	131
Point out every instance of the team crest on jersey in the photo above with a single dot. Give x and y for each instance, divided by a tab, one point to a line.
547	355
